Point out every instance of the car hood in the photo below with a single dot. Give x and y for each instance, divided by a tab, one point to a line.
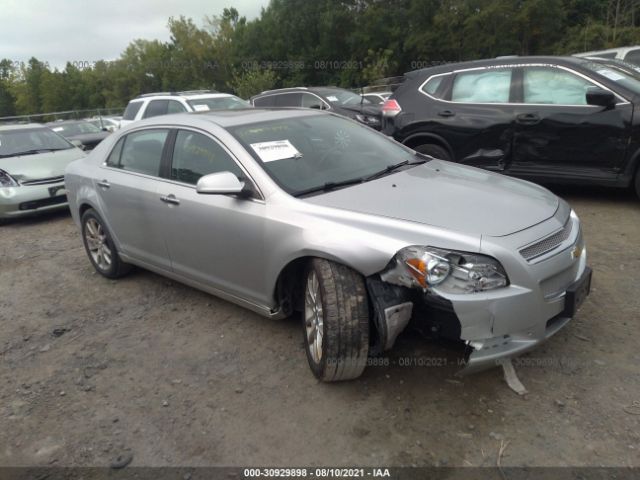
41	165
450	196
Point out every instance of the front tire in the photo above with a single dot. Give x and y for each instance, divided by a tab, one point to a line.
335	321
100	247
435	151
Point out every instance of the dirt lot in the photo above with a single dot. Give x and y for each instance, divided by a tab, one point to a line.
92	369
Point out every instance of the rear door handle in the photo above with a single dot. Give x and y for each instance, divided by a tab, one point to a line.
528	118
446	113
170	199
104	184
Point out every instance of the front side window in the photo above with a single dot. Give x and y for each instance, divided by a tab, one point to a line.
132	110
289	100
308	152
74	128
482	86
554	86
156	108
142	151
311	101
175	107
196	155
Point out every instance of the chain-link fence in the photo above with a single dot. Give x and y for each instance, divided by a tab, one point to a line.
66	115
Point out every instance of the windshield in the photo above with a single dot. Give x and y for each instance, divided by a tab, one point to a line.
305	153
218	103
30	140
341	97
620	74
70	129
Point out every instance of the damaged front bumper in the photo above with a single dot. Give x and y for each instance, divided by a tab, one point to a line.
497	324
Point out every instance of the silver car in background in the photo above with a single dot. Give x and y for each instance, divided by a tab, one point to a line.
294	210
32	164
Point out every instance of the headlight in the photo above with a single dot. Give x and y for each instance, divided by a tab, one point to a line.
445	271
368	119
7	180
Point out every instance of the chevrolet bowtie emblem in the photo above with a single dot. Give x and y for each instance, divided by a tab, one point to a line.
577	252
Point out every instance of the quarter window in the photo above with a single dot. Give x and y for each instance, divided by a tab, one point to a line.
113	160
196	155
142	151
633	57
432	85
132	109
484	86
554	86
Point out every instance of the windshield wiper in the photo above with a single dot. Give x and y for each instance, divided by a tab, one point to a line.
35	151
392	168
328	186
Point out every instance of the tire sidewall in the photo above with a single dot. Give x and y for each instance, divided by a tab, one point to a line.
316	368
113	269
435	151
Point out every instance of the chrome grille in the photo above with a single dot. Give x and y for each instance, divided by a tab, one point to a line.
547	244
44	181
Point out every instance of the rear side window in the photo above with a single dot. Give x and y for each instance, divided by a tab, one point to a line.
196	155
131	111
142	151
156	108
484	86
289	100
268	101
554	86
432	85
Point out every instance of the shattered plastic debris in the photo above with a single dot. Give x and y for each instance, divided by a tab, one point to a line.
511	377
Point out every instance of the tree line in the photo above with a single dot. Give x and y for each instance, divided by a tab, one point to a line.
349	43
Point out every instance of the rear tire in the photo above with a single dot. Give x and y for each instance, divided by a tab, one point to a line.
435	151
335	321
100	247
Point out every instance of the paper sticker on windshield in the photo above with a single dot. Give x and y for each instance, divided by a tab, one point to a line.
201	108
332	98
277	150
611	75
57	129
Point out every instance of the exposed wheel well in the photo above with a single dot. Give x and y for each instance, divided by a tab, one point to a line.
83	208
290	292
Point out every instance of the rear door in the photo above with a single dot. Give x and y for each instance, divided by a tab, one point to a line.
475	115
558	135
128	193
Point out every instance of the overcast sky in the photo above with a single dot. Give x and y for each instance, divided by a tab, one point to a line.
57	31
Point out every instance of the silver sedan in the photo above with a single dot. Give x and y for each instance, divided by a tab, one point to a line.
286	211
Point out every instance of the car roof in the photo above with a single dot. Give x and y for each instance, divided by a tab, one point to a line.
21	126
487	62
593	53
230	118
189	95
299	89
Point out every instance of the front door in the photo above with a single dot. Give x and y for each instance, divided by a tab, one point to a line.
558	135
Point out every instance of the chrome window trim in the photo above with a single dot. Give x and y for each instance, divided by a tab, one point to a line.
292	93
623	100
169	180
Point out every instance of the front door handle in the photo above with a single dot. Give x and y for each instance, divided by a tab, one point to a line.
446	113
170	199
528	118
104	184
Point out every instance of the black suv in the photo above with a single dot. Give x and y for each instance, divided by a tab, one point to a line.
338	100
547	119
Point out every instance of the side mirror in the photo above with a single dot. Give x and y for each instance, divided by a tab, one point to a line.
600	97
222	183
77	143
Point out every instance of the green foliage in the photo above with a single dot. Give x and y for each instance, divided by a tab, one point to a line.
349	43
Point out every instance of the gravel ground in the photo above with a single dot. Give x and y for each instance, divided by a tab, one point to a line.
93	369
